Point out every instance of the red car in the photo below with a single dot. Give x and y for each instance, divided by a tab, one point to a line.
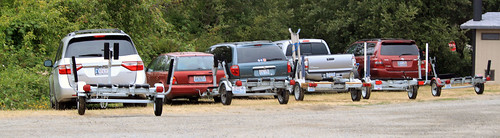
193	74
389	58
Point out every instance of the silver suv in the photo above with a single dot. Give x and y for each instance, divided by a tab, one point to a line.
88	48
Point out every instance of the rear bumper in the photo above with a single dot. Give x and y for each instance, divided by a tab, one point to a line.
319	76
385	74
188	90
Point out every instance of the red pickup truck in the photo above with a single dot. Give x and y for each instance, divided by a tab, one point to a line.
389	58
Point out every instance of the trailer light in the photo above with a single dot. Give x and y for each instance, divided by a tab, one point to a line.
488	79
239	83
367	85
174	80
292	82
288	67
235	70
421	83
159	89
86	88
313	84
378	82
447	81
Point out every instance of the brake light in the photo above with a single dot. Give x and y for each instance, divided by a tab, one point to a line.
367	85
313	84
235	70
258	45
239	83
379	64
288	67
306	63
133	65
305	41
378	82
421	83
292	82
99	36
174	80
66	69
86	88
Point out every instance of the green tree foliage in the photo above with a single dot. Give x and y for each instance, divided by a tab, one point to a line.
30	31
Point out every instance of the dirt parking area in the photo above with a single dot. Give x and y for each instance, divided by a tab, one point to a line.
458	112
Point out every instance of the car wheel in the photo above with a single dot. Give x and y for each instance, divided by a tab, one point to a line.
225	96
158	106
52	99
355	95
366	92
412	92
81	105
283	96
435	89
479	88
298	92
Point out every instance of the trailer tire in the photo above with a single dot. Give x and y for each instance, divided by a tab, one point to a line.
366	92
283	96
298	92
217	99
412	92
225	96
355	95
81	105
158	106
479	88
435	89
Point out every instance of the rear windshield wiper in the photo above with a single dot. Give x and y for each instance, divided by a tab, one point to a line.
405	54
90	55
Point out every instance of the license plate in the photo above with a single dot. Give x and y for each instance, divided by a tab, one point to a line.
330	75
264	72
200	79
311	89
101	71
377	87
239	90
402	64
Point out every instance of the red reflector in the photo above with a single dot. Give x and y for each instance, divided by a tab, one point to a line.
99	36
447	81
305	41
159	89
367	85
86	88
289	67
421	83
488	78
73	95
292	82
313	84
378	82
235	70
239	83
258	45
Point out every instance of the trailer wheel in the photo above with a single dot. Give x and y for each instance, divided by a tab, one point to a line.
412	92
81	105
435	89
225	96
298	92
283	96
355	95
217	99
158	106
366	92
479	88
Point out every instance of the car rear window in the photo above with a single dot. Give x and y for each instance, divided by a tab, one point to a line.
94	47
399	49
309	49
195	63
258	53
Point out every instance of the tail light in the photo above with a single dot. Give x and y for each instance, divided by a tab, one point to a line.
447	81
367	85
133	65
174	80
313	84
86	88
235	70
306	63
66	69
239	83
421	83
378	82
292	82
288	67
159	89
379	64
488	78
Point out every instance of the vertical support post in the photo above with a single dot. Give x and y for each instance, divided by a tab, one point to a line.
426	61
364	64
487	74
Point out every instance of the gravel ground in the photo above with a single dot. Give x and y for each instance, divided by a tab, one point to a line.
469	116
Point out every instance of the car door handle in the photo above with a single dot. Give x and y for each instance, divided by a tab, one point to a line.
328	59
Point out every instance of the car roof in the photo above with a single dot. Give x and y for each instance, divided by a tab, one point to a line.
245	43
390	40
187	54
94	32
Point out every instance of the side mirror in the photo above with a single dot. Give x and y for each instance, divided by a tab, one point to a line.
47	63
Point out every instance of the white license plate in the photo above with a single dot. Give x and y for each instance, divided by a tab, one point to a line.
239	90
101	71
200	79
402	64
264	72
377	87
330	75
311	89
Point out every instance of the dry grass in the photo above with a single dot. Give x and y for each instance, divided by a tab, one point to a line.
315	101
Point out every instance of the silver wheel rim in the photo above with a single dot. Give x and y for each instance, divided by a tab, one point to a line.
223	94
280	96
364	92
434	89
410	92
296	90
154	105
476	88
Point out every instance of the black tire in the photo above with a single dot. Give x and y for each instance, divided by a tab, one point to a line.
217	99
60	105
413	92
479	88
366	92
158	106
298	92
435	89
225	96
81	105
355	95
283	96
193	99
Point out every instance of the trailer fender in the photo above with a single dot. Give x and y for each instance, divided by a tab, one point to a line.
227	84
438	81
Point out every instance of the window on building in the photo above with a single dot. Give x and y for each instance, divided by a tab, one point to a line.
492	74
490	36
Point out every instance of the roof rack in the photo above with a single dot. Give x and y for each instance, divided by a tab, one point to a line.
380	39
95	31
